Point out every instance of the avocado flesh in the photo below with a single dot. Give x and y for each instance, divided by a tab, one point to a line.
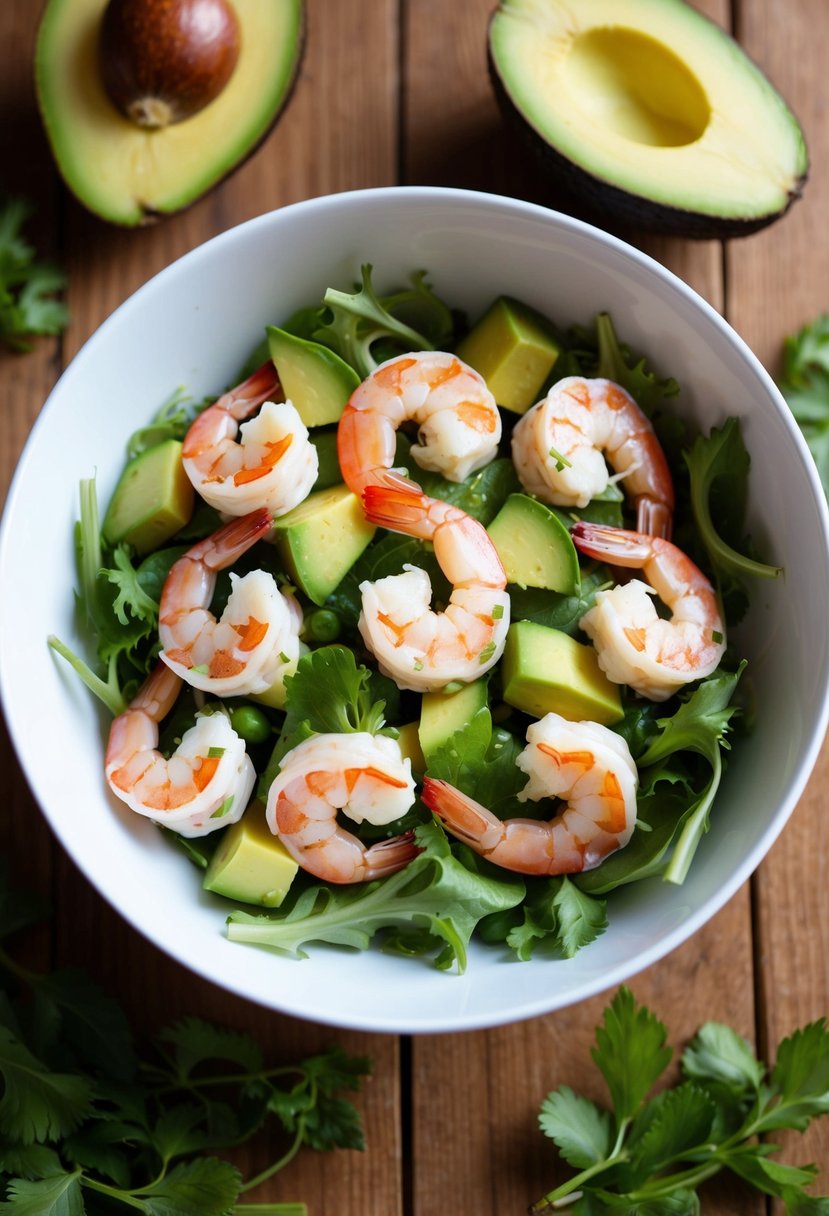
127	174
316	380
534	546
250	864
514	350
546	671
152	500
657	116
320	540
442	714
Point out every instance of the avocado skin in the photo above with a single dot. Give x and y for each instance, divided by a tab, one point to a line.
599	200
150	215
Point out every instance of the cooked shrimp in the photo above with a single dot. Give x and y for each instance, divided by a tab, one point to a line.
588	766
558	447
257	635
417	647
459	421
273	465
634	644
204	785
363	775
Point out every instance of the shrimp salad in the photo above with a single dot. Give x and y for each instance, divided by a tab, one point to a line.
427	641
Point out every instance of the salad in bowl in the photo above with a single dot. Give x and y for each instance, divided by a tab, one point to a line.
428	633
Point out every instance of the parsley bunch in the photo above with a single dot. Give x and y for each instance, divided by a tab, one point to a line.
649	1155
27	287
89	1126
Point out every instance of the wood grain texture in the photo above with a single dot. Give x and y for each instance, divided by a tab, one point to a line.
397	90
777	282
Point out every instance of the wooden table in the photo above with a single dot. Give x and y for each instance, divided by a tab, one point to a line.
396	91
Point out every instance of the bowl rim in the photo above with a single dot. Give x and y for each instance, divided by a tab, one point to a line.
373	1023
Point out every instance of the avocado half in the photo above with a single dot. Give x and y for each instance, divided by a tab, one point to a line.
130	175
649	113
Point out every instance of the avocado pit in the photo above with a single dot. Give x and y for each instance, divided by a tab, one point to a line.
162	61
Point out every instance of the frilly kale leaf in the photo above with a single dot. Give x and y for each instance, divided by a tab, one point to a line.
364	329
436	892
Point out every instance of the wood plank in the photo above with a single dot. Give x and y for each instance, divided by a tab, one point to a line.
776	282
476	1097
339	132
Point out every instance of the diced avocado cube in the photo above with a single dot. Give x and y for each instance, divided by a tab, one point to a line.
152	501
535	546
409	742
320	540
514	349
442	714
250	864
315	380
546	671
329	465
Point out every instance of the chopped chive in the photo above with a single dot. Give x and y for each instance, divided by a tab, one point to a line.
487	653
222	810
284	657
497	612
201	670
213	753
418	664
452	686
562	462
717	636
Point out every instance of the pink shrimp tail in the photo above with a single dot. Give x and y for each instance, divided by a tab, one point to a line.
398	503
233	539
618	546
464	817
259	387
389	856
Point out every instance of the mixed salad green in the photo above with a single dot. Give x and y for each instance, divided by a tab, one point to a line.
447	893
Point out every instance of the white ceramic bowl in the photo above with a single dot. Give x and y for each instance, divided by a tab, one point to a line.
193	325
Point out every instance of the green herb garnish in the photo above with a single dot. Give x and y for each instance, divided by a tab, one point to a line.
649	1155
28	307
86	1124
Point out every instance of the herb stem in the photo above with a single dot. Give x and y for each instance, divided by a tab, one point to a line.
276	1166
552	1200
113	1192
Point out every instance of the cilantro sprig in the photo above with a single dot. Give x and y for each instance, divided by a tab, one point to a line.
28	307
804	382
89	1124
649	1154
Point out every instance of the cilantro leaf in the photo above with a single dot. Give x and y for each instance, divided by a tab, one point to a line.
630	1052
557	912
436	890
38	1104
90	1022
683	1122
771	1177
722	1060
206	1186
481	762
331	693
580	1129
27	288
801	1078
805	385
196	1042
29	1160
56	1195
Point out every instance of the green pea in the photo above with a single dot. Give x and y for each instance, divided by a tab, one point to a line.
250	723
324	625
